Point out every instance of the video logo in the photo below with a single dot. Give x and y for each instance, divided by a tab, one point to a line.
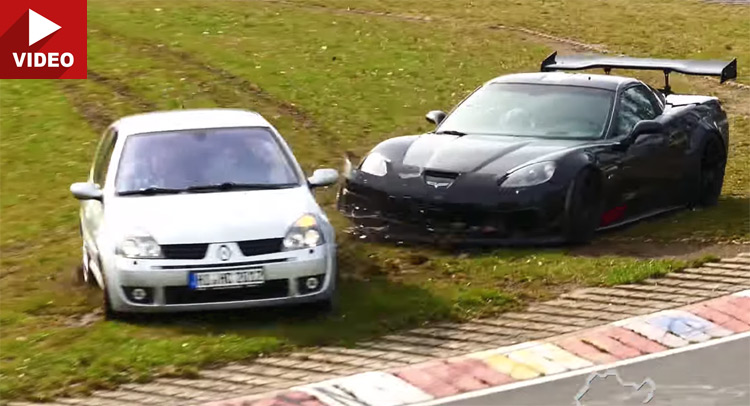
43	39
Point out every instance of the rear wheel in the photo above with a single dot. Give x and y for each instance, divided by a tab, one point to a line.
711	178
583	208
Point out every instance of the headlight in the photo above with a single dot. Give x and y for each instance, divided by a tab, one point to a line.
531	175
304	233
375	164
139	247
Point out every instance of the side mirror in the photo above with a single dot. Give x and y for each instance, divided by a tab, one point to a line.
435	116
642	127
86	191
323	177
646	127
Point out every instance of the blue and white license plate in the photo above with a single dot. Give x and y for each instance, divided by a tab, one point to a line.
226	279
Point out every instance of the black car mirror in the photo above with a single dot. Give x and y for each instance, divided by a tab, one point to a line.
435	116
86	191
645	127
641	128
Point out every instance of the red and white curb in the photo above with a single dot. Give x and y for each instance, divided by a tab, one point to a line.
510	366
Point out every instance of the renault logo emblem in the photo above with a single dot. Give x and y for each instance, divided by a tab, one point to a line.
224	253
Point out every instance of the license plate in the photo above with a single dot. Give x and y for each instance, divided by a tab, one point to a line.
226	279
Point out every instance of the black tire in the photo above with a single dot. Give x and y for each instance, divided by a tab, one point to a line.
329	306
324	307
109	313
711	177
583	208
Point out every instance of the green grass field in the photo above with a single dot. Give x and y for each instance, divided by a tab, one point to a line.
331	82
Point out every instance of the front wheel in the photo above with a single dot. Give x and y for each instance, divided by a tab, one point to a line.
711	178
85	276
324	307
109	312
583	208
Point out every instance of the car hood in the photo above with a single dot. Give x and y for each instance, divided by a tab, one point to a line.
489	154
210	217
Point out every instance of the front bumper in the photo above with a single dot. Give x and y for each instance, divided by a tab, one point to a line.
478	215
166	281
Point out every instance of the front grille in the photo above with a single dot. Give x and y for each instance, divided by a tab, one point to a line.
274	288
184	251
260	247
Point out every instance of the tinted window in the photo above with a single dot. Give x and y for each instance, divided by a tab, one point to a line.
103	156
636	104
532	110
181	159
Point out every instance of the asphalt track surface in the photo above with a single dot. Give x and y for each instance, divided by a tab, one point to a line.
715	375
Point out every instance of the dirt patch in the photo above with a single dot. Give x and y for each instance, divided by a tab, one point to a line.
85	320
95	114
686	251
733	96
122	90
159	51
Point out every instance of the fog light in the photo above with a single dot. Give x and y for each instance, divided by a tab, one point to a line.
139	294
312	283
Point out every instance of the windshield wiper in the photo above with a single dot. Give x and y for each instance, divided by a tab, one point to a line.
451	132
152	190
225	186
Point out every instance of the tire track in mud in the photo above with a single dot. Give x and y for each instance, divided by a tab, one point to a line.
158	51
227	89
122	90
98	115
97	118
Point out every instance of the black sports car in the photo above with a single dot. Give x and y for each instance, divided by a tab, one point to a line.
548	157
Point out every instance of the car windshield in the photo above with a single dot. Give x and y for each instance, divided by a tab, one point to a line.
205	159
532	110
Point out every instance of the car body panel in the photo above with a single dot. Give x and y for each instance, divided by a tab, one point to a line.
212	217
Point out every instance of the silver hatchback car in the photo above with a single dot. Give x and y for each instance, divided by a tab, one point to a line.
203	209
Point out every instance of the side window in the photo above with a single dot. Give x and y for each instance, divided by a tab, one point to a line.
636	104
103	156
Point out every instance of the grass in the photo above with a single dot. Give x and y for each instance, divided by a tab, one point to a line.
663	29
331	83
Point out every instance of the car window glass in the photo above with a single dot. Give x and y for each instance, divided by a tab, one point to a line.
635	105
195	158
103	157
533	110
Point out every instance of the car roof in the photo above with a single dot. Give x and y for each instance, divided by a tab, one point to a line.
188	119
608	82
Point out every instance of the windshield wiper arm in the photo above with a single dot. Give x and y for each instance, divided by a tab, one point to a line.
152	190
238	186
451	132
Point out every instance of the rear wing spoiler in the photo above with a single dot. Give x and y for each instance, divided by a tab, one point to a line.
725	70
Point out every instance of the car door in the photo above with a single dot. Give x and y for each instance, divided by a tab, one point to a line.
646	163
93	210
